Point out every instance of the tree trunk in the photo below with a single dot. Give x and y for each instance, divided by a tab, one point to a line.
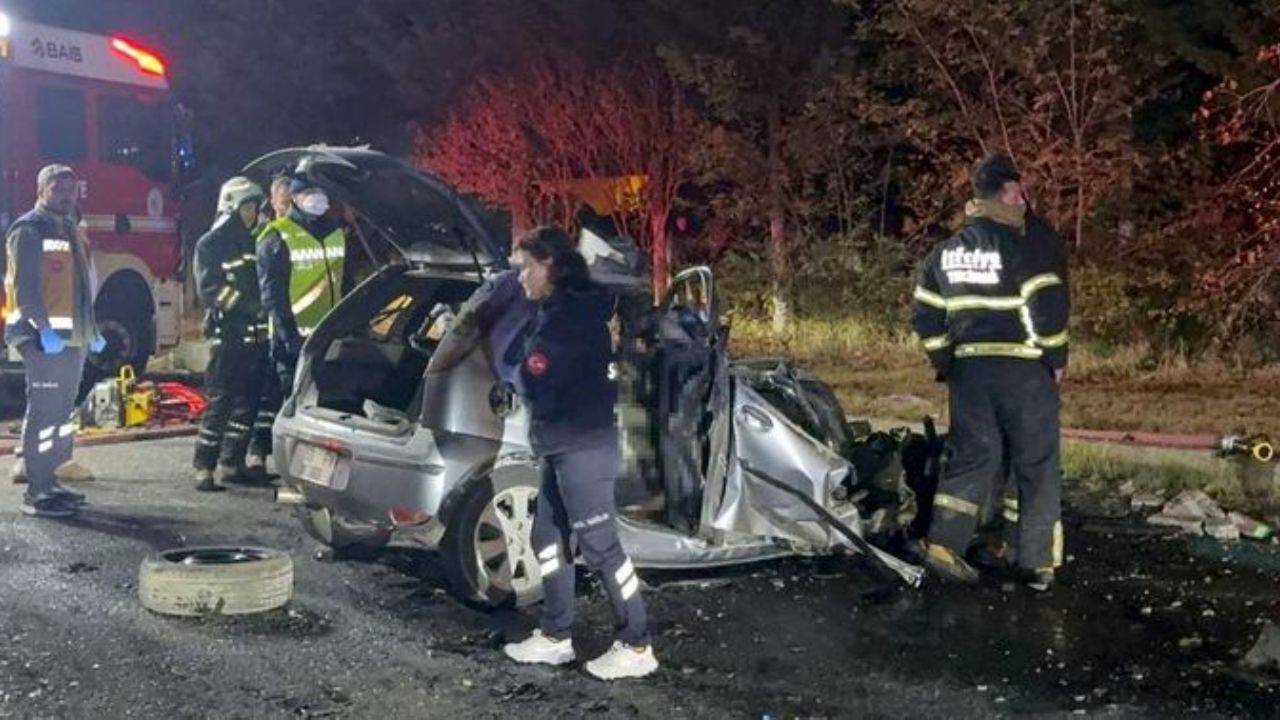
780	264
661	257
1079	204
780	267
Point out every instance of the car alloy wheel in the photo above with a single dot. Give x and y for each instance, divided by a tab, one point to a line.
503	544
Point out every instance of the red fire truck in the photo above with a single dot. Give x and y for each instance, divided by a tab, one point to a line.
100	104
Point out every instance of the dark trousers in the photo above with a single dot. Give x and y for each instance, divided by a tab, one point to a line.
277	382
999	405
48	434
233	383
576	502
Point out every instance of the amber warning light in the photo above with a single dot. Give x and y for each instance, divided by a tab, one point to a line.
146	61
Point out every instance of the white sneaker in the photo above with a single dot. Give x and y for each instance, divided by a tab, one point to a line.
255	462
624	661
539	648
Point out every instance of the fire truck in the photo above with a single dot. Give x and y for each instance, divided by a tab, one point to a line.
100	104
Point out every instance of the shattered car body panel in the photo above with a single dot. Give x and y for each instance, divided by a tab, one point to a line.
766	439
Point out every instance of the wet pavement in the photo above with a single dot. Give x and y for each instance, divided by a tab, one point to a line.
1144	624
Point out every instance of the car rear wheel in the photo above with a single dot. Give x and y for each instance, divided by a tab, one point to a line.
330	529
487	548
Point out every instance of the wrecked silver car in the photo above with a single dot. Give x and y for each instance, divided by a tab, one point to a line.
724	462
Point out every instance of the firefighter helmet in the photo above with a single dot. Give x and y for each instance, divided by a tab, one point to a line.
236	192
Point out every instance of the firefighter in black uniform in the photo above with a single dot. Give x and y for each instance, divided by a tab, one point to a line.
991	310
226	273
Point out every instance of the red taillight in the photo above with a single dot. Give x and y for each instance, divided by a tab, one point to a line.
333	446
404	516
146	61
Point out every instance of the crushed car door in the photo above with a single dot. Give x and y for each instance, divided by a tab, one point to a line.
690	367
780	482
763	439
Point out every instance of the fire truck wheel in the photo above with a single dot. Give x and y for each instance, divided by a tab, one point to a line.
126	323
215	581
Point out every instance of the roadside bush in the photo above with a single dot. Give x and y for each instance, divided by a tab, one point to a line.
860	276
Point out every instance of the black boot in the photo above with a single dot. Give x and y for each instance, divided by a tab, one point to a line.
206	483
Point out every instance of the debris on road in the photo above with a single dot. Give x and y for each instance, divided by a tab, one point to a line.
1221	529
1143	500
1191	526
1193	504
1251	528
1265	653
1195	513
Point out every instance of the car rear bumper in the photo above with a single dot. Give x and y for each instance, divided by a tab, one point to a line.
374	473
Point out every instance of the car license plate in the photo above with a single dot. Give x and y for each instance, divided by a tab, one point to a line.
316	464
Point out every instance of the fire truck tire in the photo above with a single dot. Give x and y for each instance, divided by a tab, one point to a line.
126	321
215	581
13	394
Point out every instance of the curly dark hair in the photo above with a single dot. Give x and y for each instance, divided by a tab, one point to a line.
568	267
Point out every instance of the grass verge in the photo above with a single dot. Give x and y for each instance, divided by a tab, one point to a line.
883	374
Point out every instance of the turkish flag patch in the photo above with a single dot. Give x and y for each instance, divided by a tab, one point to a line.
537	364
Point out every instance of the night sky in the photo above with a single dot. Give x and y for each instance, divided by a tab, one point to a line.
98	16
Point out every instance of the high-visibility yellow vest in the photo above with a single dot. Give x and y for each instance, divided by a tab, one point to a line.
57	277
315	275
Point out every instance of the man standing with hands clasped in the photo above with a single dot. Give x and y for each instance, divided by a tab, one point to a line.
48	314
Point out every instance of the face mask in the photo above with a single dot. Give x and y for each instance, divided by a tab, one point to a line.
316	203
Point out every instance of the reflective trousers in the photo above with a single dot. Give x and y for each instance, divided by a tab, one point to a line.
233	384
1000	404
576	503
48	434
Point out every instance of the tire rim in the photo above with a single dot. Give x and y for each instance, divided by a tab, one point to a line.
214	556
503	545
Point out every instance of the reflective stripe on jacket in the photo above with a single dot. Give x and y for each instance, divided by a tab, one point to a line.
988	292
48	279
315	272
226	273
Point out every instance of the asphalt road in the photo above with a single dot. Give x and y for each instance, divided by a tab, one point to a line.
1142	626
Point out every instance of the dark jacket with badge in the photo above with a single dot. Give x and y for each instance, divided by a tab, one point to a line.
226	274
564	356
993	291
48	279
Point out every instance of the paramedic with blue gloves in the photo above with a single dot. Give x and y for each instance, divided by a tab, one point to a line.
48	315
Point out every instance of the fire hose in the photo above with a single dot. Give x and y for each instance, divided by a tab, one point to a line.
1256	447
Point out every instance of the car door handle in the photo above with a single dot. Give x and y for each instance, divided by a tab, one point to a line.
755	418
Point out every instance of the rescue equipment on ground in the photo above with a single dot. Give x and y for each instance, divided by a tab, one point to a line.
126	402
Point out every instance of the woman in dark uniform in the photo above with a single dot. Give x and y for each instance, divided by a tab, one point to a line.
563	359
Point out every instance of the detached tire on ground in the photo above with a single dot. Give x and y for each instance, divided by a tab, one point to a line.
215	581
487	551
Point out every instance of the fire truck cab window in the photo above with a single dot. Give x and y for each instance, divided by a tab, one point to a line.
135	133
61	121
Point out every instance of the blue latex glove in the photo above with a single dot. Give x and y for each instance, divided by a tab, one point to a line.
50	342
97	344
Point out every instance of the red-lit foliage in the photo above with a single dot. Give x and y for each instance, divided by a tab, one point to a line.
1243	214
517	137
